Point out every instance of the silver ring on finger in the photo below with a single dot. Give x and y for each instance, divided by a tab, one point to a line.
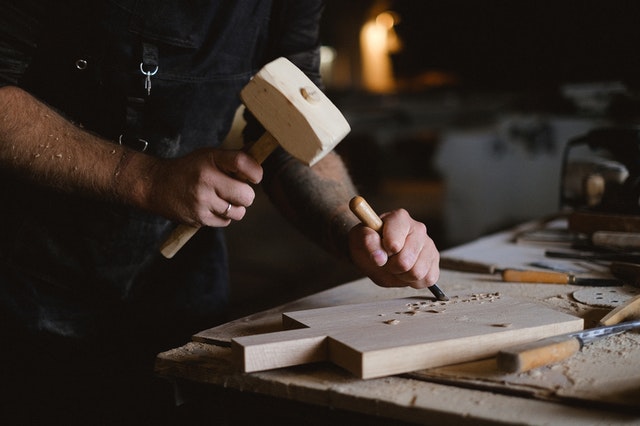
225	214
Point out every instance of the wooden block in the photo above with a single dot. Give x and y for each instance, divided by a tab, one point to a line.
402	335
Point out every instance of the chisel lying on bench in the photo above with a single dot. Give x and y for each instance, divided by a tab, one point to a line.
553	349
525	276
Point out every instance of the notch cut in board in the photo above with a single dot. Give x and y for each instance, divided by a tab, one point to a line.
401	335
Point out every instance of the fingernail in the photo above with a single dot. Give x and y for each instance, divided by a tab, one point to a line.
379	257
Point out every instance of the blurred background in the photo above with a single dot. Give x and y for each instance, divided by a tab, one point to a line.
460	113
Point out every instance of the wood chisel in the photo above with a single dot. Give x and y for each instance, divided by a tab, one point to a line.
557	348
550	277
554	349
370	218
525	276
628	273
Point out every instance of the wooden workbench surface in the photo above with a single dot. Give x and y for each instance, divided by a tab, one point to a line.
600	385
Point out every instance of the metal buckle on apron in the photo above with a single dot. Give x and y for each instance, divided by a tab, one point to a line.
148	74
133	142
149	65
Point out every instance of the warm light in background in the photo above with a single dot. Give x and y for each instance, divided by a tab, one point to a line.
327	62
378	40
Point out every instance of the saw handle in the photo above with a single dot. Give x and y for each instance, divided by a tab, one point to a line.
528	356
259	150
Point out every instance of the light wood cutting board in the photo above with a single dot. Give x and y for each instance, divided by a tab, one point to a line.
402	335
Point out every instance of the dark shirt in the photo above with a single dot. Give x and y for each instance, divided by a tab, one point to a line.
79	267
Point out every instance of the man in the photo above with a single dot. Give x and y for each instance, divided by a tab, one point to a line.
111	113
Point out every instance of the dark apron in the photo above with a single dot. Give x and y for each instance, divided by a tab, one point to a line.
80	267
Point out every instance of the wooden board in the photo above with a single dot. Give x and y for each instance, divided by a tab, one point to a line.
401	335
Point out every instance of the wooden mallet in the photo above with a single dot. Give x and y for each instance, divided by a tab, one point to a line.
297	116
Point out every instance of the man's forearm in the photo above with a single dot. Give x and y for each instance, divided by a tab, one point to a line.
316	200
39	145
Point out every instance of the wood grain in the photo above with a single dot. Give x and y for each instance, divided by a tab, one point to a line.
402	335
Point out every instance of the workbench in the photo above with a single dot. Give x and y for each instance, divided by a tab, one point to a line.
599	385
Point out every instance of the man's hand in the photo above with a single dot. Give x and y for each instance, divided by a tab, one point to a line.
208	187
40	145
403	255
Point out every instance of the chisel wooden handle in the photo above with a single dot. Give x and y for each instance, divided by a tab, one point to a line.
365	213
467	265
259	150
543	277
536	354
370	218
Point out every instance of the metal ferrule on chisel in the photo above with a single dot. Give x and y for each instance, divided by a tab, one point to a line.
530	355
587	336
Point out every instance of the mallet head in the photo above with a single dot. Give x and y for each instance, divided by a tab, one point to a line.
295	111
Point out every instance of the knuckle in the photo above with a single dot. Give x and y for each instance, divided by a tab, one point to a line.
401	213
237	161
200	196
371	241
421	228
395	247
406	263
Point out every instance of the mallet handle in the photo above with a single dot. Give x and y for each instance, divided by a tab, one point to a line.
259	150
179	237
263	147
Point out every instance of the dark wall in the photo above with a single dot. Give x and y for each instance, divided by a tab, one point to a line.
509	43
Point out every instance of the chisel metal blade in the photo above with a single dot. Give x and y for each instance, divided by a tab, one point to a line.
588	336
527	356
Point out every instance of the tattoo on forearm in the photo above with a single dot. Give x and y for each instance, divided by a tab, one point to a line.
315	200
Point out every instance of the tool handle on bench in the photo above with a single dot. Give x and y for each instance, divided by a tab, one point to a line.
541	277
531	355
